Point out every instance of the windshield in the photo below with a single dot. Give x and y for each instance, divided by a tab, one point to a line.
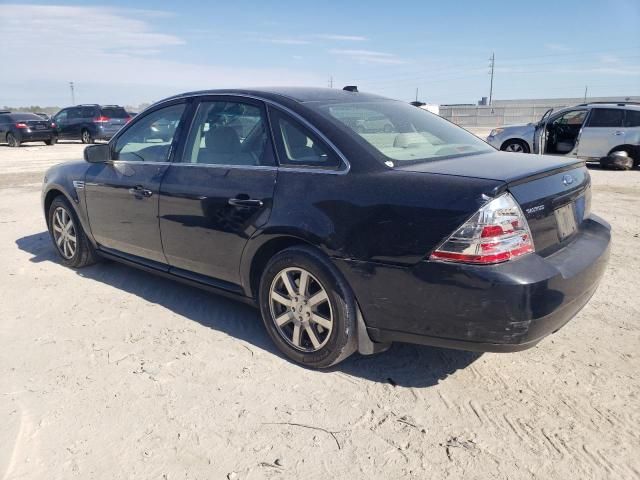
404	133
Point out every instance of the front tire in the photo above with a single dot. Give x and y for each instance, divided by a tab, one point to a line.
515	146
12	140
307	307
67	235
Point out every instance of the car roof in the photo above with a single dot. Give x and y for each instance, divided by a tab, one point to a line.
297	94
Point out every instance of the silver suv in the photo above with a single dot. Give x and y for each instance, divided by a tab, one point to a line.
608	133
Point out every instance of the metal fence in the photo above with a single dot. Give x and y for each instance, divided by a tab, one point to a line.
485	116
508	112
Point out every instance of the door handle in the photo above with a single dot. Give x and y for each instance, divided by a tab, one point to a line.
245	202
140	191
619	133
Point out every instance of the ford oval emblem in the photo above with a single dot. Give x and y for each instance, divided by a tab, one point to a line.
567	180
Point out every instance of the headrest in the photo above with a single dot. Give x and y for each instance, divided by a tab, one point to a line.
222	140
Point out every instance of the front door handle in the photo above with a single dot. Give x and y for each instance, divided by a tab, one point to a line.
140	191
245	202
619	133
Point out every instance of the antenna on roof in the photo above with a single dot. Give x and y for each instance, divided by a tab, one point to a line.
351	88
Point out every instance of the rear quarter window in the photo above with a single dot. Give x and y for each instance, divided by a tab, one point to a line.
632	118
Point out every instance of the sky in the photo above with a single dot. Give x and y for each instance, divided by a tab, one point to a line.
127	53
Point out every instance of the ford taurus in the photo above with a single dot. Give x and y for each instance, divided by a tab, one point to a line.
346	239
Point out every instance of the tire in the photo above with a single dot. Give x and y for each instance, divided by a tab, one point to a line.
52	141
331	321
515	146
82	253
86	136
12	140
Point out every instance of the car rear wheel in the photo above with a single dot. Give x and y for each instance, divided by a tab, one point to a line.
12	140
308	308
67	235
515	146
86	136
52	141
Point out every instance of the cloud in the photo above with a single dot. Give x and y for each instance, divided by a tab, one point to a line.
340	38
556	47
111	47
368	56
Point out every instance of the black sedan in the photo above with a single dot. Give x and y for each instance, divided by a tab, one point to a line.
347	240
17	128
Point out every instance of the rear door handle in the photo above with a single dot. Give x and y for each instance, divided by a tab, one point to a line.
245	202
140	191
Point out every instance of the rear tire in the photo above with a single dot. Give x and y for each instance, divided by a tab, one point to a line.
12	140
86	136
52	141
515	146
315	333
69	239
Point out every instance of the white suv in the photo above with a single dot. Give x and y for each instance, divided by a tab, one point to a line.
605	132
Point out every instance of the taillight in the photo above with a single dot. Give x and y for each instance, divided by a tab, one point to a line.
127	119
496	233
53	124
21	125
101	119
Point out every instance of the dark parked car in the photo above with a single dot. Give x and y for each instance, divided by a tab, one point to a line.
345	240
17	128
90	122
44	115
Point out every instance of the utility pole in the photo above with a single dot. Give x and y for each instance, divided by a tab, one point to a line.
416	94
330	81
586	89
491	65
73	95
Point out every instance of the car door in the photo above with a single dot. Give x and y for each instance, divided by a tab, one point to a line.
603	131
61	119
219	190
122	194
539	133
4	127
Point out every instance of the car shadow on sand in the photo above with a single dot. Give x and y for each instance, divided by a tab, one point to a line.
402	365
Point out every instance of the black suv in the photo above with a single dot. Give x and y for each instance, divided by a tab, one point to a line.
89	122
21	127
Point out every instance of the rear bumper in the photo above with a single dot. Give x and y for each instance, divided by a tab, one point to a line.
36	135
501	308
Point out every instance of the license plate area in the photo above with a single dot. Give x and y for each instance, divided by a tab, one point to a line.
566	221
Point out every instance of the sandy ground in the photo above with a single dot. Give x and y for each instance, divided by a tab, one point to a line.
112	373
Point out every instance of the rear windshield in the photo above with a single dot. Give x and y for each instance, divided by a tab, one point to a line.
114	112
25	116
402	133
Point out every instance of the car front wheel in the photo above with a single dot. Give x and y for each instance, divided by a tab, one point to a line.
515	146
308	308
67	235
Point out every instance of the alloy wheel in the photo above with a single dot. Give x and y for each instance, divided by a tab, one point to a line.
64	233
300	309
514	147
86	136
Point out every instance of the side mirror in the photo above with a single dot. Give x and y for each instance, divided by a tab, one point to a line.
97	153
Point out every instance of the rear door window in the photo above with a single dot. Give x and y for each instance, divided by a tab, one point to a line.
229	133
606	117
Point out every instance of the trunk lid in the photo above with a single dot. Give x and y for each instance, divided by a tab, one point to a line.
38	125
554	193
